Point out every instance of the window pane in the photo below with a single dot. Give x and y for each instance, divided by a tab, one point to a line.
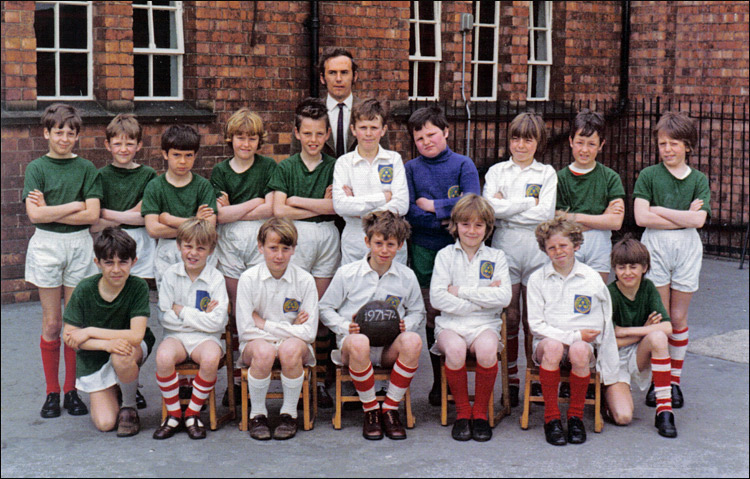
45	74
486	44
540	17
74	74
140	28
411	10
412	70
427	40
486	12
163	3
533	73
484	80
538	81
426	10
140	73
540	46
44	26
164	29
412	40
73	27
426	79
139	2
165	75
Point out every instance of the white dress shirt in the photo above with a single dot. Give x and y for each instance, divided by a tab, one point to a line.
333	117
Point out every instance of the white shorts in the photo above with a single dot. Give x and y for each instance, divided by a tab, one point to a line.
167	254
308	360
629	371
105	377
353	246
469	336
145	251
596	249
521	251
565	362
676	257
192	340
318	248
59	259
237	249
376	356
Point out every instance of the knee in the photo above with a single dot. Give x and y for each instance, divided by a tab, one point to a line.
411	343
553	352
164	358
621	418
104	422
359	346
579	354
264	356
290	354
658	340
455	355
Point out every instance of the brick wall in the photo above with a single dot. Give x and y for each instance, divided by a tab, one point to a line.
18	53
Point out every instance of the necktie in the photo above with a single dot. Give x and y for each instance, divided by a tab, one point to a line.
340	132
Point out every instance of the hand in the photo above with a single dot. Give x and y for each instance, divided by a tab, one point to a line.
496	283
223	200
204	212
119	346
347	190
301	317
177	308
499	196
589	335
426	205
653	318
388	196
329	193
74	339
615	207
353	327
696	205
453	290
536	200
260	323
37	197
401	325
211	305
164	218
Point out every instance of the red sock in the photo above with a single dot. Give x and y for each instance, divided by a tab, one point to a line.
51	363
364	383
578	387
661	374
550	381
513	359
70	368
484	384
170	388
458	382
201	390
400	379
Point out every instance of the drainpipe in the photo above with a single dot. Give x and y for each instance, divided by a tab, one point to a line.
313	24
622	103
467	22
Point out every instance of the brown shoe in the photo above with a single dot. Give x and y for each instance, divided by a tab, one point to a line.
128	422
372	429
195	427
286	429
259	428
392	424
168	428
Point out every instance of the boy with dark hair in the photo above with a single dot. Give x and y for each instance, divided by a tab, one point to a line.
170	199
377	277
436	179
61	192
105	321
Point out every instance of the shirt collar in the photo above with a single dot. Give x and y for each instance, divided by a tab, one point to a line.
202	276
265	273
535	165
457	246
381	151
366	268
332	104
549	270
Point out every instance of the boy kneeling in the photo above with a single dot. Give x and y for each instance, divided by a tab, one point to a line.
570	312
105	321
277	317
377	277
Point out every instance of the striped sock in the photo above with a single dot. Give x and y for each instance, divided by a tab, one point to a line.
51	363
550	381
201	390
513	359
678	344
170	389
364	383
661	373
400	380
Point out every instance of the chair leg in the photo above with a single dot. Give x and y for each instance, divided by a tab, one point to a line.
307	424
598	423
213	424
491	410
243	409
409	415
526	401
506	384
163	410
443	395
337	413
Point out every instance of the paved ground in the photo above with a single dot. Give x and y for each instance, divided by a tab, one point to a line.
712	442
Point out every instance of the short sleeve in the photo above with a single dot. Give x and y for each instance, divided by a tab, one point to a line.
92	183
644	186
150	204
73	314
278	180
615	189
140	303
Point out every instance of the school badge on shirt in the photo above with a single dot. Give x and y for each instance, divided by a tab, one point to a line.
394	301
532	190
582	304
202	298
454	191
291	305
385	172
486	269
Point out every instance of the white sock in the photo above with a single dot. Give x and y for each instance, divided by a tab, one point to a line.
292	387
258	388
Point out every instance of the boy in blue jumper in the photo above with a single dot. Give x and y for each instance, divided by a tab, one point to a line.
436	178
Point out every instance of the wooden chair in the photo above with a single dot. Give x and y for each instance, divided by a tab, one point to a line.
309	408
471	366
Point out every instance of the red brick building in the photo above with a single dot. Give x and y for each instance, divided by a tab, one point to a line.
197	62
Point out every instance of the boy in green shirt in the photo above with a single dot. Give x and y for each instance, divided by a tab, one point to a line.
105	321
61	192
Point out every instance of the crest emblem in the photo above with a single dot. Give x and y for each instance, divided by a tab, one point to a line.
454	191
533	190
394	301
291	305
385	172
202	298
486	269
582	304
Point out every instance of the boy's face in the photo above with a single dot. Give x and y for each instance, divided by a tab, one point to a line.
194	255
585	149
382	250
179	162
471	232
523	149
276	254
430	140
338	77
672	152
115	271
369	132
630	275
61	141
123	149
561	251
312	135
245	146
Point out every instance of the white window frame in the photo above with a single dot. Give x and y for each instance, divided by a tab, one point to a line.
545	65
417	58
475	62
57	50
152	50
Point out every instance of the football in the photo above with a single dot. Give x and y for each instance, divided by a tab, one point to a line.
379	321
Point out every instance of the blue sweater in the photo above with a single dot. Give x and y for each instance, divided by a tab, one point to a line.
443	179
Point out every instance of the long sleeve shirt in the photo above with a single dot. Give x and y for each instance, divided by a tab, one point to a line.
560	307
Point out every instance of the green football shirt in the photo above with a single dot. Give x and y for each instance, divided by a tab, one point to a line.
123	188
241	187
661	188
629	314
293	178
183	202
589	194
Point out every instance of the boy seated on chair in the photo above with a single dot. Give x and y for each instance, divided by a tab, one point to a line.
105	322
642	329
570	313
193	305
277	317
377	277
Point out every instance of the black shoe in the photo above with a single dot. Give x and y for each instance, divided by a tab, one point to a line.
237	396
481	430
651	396
140	401
677	399
564	390
664	422
51	406
591	392
74	405
553	432
461	430
513	390
576	431
536	390
434	396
